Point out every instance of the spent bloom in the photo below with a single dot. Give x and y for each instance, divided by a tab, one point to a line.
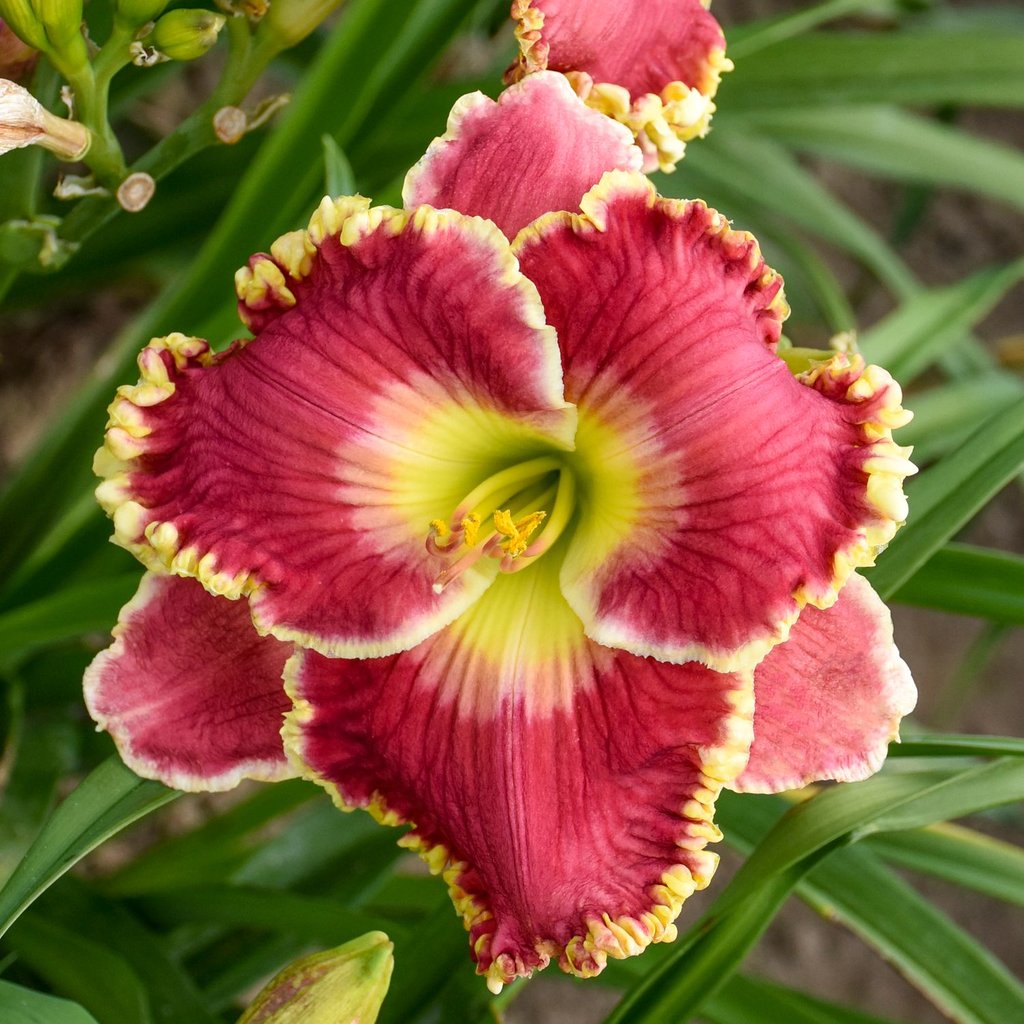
543	543
24	121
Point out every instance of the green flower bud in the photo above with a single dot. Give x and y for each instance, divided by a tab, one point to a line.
186	33
342	985
135	13
290	21
62	20
21	17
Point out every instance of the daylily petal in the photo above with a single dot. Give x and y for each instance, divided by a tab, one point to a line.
719	493
399	359
190	693
830	699
564	790
538	148
652	64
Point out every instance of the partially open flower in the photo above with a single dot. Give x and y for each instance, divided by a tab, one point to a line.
24	121
524	527
654	65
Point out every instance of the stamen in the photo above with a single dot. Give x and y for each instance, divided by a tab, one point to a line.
471	528
517	534
561	515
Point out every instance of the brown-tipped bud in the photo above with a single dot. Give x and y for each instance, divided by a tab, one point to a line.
289	21
344	984
187	33
17	58
25	122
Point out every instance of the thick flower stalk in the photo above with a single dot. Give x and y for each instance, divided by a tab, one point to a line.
523	528
653	65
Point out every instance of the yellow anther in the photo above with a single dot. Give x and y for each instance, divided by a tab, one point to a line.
517	534
440	529
471	528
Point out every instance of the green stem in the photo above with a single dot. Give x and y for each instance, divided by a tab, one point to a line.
92	95
244	66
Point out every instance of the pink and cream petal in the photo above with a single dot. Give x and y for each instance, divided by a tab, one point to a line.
400	359
830	699
565	791
191	695
538	148
718	492
653	65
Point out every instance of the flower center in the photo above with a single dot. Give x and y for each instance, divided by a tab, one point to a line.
506	517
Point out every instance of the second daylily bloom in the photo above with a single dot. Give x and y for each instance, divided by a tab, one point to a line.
522	527
653	65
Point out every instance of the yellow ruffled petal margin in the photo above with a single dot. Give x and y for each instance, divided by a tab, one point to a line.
268	281
845	376
584	955
661	122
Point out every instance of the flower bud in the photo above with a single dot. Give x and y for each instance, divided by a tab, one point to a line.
138	12
17	58
187	33
20	18
289	21
25	122
340	986
62	20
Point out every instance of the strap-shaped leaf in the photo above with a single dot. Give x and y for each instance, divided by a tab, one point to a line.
852	887
82	608
892	143
912	338
715	947
958	64
946	496
20	1005
970	581
107	800
958	855
745	999
945	415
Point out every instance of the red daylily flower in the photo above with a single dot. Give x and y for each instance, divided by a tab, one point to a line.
523	526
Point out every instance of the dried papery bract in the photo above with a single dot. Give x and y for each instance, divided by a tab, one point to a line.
24	121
